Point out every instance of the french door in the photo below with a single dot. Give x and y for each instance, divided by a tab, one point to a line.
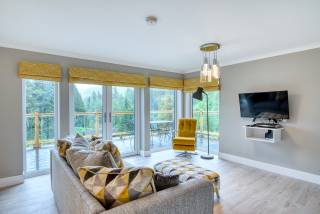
106	111
40	124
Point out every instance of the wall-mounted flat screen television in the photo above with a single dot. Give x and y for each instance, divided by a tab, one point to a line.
268	105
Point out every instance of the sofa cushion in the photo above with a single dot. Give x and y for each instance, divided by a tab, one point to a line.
165	181
94	137
78	157
77	141
63	145
113	149
113	187
94	143
80	141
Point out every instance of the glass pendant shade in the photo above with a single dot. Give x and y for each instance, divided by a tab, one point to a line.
204	70
215	69
210	70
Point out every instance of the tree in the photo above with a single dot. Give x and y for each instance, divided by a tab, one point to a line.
78	102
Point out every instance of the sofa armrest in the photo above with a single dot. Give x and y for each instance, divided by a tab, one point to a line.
194	196
70	195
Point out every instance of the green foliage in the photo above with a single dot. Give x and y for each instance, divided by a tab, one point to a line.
40	98
89	100
213	106
162	100
78	102
123	102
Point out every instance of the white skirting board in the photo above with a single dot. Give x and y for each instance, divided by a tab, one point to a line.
305	176
10	181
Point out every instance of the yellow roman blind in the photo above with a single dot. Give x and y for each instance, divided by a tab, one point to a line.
165	83
191	85
101	77
40	71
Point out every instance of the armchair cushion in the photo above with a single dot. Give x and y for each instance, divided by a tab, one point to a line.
187	127
184	147
184	141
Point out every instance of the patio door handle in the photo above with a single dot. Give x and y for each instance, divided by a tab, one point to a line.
105	117
110	117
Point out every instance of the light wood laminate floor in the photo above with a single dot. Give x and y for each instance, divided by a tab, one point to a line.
244	190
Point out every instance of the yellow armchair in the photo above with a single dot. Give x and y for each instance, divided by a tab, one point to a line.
186	137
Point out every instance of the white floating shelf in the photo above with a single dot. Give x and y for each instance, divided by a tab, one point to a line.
255	133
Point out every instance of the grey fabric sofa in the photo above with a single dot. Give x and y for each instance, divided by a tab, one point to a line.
192	197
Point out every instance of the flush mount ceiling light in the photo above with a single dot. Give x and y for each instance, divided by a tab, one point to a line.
210	68
151	20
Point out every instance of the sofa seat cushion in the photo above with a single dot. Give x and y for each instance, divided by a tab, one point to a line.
186	171
78	157
116	186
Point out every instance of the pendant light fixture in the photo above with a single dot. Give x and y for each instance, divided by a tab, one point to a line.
210	68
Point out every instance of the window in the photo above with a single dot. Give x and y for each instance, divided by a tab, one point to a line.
40	123
87	109
162	118
123	118
199	112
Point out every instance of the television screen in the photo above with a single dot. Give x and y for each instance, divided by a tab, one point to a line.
269	105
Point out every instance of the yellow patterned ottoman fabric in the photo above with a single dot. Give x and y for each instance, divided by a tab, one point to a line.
113	149
187	171
115	186
62	146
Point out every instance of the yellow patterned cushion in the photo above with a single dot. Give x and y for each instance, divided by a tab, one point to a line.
115	186
114	151
62	146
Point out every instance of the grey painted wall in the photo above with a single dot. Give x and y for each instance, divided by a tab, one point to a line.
299	73
11	147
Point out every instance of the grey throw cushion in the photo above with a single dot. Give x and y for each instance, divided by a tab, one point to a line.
80	141
78	157
165	181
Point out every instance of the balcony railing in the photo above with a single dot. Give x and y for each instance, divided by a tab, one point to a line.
201	116
35	131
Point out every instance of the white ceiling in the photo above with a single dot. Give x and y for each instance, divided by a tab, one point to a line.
115	30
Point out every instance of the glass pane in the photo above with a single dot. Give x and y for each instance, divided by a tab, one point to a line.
123	118
40	123
200	113
162	118
87	109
